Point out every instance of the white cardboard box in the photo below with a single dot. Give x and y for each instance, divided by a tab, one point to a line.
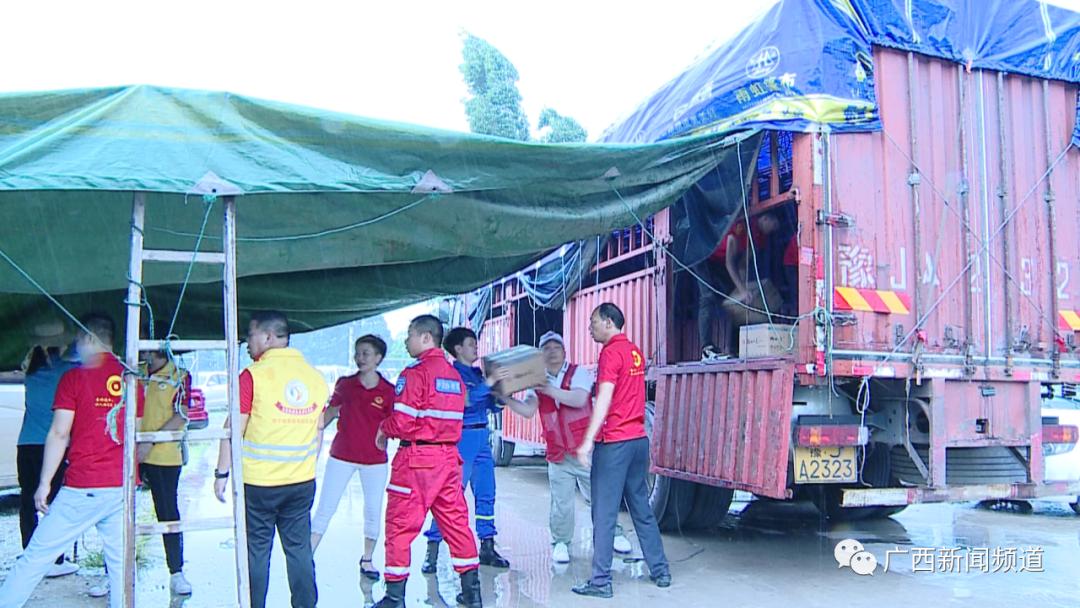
767	340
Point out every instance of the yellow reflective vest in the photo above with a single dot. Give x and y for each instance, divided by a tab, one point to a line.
281	441
161	395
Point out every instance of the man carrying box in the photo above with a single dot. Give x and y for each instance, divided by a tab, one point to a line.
565	405
478	466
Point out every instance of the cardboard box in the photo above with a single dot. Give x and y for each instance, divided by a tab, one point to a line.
526	366
767	340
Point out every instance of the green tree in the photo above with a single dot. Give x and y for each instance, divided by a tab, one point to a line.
563	129
494	105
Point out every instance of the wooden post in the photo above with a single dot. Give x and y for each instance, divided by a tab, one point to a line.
232	358
131	387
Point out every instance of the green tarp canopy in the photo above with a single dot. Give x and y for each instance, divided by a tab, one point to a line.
339	217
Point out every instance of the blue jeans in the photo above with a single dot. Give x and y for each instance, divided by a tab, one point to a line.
478	471
74	511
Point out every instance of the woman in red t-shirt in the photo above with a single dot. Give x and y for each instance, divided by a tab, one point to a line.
363	400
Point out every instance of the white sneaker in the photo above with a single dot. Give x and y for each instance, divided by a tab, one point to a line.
100	589
560	553
62	569
622	544
179	585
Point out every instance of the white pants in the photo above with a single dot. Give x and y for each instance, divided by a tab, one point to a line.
74	511
336	478
565	479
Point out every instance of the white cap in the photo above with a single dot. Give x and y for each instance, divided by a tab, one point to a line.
550	337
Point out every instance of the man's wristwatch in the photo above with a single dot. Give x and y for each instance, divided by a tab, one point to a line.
219	475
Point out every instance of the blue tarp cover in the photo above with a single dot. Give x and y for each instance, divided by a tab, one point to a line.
807	65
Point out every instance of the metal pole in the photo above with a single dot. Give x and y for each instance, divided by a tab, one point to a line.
830	279
984	188
1051	215
131	386
965	207
914	181
1003	200
232	356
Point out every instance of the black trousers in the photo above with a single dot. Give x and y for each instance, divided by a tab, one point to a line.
618	472
288	510
163	482
28	461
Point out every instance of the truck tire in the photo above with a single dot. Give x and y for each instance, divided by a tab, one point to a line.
710	507
650	413
671	500
502	451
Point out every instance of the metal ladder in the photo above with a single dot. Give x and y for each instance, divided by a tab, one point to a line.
134	345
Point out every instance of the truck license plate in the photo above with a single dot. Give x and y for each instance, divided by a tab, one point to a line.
826	465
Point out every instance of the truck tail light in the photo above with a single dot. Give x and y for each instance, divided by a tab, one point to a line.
827	435
1059	438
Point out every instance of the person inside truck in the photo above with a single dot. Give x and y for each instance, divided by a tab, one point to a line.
564	403
725	273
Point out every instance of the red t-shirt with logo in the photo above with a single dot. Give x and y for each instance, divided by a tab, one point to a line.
791	252
622	364
95	460
742	243
362	411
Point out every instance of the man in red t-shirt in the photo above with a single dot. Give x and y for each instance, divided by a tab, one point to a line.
620	464
564	403
360	403
87	422
727	270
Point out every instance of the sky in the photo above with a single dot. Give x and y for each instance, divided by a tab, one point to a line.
595	61
592	60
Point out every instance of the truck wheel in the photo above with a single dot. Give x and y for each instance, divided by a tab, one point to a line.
710	507
671	500
650	413
502	451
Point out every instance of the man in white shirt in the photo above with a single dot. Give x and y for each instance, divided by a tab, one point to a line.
565	405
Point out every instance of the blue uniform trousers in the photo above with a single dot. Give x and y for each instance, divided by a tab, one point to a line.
478	471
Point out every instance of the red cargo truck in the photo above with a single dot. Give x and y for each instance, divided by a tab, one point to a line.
934	303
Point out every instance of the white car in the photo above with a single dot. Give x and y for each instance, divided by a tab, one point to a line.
215	389
1062	459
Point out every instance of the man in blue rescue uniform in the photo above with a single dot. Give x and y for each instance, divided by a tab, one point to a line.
478	467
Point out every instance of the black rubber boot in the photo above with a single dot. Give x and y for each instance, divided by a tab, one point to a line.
470	590
431	562
395	595
489	556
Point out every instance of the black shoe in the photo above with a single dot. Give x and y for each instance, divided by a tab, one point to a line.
431	562
470	590
590	590
395	595
662	580
490	557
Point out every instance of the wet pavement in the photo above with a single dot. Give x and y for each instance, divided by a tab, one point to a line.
766	554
